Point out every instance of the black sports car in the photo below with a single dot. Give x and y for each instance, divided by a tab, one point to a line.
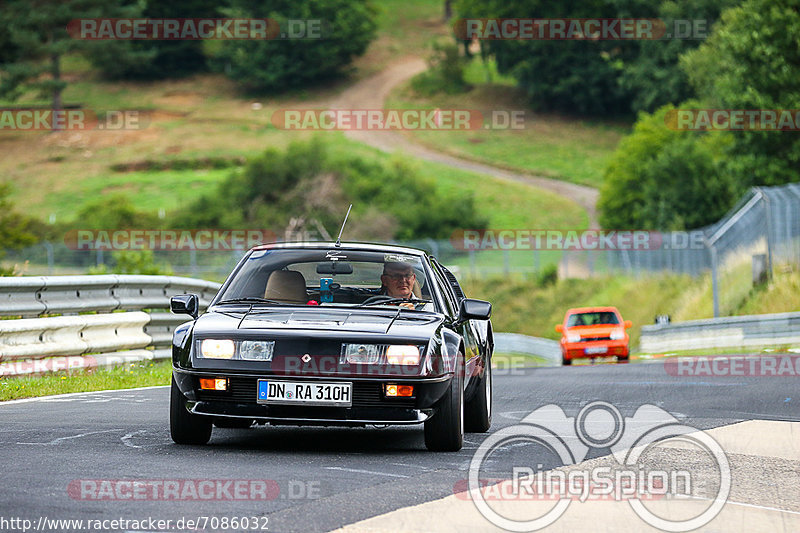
334	334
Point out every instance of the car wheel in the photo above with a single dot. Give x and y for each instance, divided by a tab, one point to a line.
185	427
566	362
621	359
478	411
444	431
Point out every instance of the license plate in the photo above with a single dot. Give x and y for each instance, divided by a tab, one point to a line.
308	393
593	350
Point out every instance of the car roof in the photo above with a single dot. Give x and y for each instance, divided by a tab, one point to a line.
320	245
600	309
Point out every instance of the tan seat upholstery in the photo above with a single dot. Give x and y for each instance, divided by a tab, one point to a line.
416	289
286	286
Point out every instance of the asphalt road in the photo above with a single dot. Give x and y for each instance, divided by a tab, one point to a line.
319	478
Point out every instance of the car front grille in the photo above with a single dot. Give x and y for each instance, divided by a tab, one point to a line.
589	339
244	390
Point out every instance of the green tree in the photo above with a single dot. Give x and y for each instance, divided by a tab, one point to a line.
347	28
666	179
37	32
653	76
570	76
751	62
156	59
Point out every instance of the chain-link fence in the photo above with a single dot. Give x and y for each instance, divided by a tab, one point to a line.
761	233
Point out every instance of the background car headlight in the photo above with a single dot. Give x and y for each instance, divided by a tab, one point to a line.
362	353
256	350
217	348
573	337
617	335
398	354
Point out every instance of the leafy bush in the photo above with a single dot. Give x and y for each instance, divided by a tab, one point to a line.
445	72
280	64
660	178
115	211
308	182
133	262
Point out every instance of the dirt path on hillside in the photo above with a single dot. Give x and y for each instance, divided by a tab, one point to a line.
371	93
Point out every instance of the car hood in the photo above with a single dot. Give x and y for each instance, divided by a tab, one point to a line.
337	321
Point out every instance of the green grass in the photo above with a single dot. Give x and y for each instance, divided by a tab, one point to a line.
549	145
130	376
504	361
519	306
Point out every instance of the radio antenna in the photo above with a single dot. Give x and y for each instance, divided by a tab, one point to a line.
339	238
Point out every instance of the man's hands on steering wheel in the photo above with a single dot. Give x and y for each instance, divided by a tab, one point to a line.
385	299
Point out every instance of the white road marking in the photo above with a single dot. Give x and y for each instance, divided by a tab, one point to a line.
59	440
364	471
57	397
126	438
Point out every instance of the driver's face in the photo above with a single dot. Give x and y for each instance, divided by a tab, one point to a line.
399	283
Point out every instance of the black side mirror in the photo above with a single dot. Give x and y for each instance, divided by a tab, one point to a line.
474	309
186	304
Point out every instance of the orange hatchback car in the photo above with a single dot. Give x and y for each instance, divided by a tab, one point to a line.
594	332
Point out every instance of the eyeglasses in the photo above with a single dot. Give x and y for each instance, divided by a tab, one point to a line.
398	277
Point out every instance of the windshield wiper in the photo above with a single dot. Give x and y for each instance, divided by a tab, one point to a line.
250	300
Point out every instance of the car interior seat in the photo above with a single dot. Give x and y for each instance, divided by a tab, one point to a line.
286	286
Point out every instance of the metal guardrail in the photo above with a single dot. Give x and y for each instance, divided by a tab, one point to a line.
40	295
111	337
512	343
728	332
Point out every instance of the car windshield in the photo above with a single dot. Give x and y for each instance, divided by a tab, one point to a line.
591	319
343	278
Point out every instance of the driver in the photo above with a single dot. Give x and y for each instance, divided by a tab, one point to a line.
398	281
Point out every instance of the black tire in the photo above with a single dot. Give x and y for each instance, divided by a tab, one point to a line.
567	362
478	411
185	427
622	360
444	431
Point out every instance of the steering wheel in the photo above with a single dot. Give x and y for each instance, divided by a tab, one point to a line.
379	298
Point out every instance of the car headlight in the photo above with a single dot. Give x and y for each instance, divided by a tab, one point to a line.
256	350
398	354
617	335
364	354
217	348
573	337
